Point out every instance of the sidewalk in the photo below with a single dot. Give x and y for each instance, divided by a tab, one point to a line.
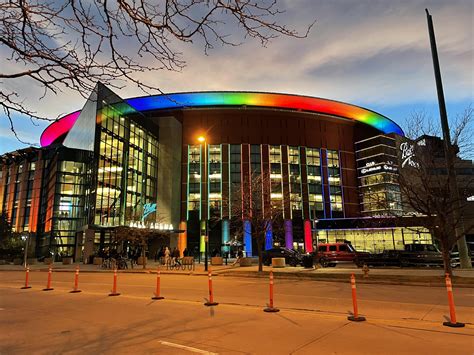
405	276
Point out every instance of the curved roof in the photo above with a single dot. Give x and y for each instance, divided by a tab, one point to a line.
232	98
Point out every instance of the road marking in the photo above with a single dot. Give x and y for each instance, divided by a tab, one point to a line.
188	348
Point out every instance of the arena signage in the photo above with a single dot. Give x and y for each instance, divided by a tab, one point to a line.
407	151
148	209
372	168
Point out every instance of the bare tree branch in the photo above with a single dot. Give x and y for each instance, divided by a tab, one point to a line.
71	45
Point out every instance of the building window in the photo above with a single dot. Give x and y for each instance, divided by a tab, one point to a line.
194	177
215	181
334	180
255	159
315	188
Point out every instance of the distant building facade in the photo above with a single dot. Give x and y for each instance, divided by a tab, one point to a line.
138	162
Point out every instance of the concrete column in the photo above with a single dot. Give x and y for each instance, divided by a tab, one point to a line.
183	238
169	170
88	244
308	238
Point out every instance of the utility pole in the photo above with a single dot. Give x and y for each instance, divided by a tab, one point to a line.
448	151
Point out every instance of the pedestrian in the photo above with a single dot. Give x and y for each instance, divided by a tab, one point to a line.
161	255
176	257
240	255
215	252
167	256
185	252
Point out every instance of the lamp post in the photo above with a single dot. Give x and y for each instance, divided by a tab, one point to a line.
202	140
448	150
26	237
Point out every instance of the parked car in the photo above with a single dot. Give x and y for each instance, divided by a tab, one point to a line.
331	254
423	255
386	258
292	257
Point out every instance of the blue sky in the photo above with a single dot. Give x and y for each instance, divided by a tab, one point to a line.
370	53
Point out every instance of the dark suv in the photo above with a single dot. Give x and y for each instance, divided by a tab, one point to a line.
331	254
292	257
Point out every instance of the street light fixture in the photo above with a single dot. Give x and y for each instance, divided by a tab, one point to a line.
25	236
202	140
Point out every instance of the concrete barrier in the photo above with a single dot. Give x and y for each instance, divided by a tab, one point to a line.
217	260
48	261
97	260
246	262
140	260
31	261
278	262
67	261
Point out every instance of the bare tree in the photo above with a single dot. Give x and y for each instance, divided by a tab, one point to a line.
138	237
72	45
424	182
250	202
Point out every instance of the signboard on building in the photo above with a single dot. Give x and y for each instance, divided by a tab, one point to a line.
372	167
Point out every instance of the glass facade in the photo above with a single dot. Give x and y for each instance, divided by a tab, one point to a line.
315	187
276	178
375	240
294	173
126	171
378	176
194	179
69	206
215	181
335	182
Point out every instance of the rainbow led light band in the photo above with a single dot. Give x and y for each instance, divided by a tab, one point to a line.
210	99
58	128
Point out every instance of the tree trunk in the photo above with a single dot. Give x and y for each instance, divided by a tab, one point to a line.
260	258
447	262
144	256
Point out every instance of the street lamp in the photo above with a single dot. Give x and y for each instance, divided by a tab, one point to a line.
25	236
202	140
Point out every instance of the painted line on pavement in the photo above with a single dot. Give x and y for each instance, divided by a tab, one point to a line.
188	348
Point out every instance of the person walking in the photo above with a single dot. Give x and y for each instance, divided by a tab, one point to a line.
176	256
240	255
167	256
185	252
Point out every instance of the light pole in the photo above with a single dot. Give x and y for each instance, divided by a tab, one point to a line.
448	151
202	139
26	237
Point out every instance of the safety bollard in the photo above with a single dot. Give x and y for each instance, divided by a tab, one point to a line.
48	285
270	307
211	293
76	282
452	312
26	278
114	288
355	317
157	292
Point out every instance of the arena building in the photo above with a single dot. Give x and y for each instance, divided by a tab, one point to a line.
138	162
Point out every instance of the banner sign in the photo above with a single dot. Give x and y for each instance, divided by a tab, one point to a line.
148	209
